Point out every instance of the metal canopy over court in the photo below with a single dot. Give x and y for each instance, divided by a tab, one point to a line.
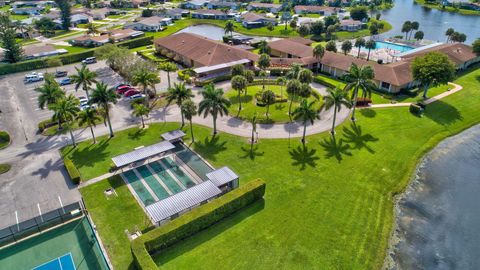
142	153
173	135
182	201
222	176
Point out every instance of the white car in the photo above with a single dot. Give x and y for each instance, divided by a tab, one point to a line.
33	77
137	96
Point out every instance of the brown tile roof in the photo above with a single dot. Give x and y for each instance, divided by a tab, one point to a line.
295	47
209	11
151	21
314	8
205	51
265	5
252	17
350	22
458	53
36	49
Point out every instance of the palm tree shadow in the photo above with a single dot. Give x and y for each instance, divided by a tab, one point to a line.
442	113
137	134
336	149
209	148
304	157
251	153
357	139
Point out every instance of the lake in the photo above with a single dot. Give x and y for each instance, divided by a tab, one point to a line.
438	216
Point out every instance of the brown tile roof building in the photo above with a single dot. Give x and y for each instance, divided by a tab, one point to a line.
457	52
291	47
314	9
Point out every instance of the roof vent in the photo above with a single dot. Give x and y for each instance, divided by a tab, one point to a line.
458	50
209	52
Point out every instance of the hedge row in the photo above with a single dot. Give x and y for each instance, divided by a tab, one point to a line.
72	171
214	80
260	82
193	222
68	58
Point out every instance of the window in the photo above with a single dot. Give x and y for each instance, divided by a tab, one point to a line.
385	85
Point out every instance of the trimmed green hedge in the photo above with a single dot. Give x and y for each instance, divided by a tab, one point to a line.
214	80
72	171
42	125
192	222
68	58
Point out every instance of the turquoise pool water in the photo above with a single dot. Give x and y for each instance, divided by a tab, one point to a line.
139	188
169	163
166	178
392	46
192	160
152	182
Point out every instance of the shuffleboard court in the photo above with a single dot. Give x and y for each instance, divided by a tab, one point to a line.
64	262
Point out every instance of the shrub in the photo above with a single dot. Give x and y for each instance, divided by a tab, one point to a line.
193	222
214	80
46	124
362	102
416	109
329	82
277	72
4	139
72	171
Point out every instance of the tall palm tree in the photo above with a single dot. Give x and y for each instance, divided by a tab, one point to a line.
318	53
359	43
263	63
281	81
84	78
263	47
307	113
145	78
50	92
92	29
294	71
370	45
359	78
268	98
229	27
66	109
189	109
213	103
305	76
239	83
102	95
293	88
336	98
90	117
254	129
178	94
168	67
140	110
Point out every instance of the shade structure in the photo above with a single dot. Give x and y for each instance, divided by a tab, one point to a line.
142	153
173	135
181	201
222	176
220	66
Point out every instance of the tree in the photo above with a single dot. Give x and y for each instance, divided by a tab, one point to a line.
359	78
418	35
293	88
103	96
331	46
331	20
317	28
145	78
293	24
238	69
458	37
370	45
13	50
281	81
449	33
406	28
331	31
263	63
303	30
270	26
189	110
250	76
346	46
45	25
476	46
140	110
178	94
92	29
65	110
84	78
336	98
285	18
53	62
65	13
432	69
213	103
414	27
359	43
263	47
318	53
306	112
147	13
168	67
239	83
254	129
229	27
294	71
116	57
359	13
373	29
305	76
268	98
50	92
90	117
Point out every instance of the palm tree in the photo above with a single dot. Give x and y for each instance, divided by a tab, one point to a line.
50	92
318	53
359	43
293	88
268	98
102	95
346	46
179	93
189	109
168	67
370	45
92	29
263	63
145	78
281	81
254	129
263	47
359	78
66	109
449	33
84	78
90	117
305	76
294	71
229	27
140	110
239	83
336	98
307	113
213	103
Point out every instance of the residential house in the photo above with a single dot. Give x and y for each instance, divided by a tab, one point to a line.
102	4
150	24
322	10
267	7
39	51
195	4
27	10
212	14
222	5
80	18
254	20
117	35
39	4
351	25
291	48
174	13
129	3
99	14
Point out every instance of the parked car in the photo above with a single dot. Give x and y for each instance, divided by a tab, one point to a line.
122	89
33	77
89	60
65	81
137	96
121	85
131	92
60	73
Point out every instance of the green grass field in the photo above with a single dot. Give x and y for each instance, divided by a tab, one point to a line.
72	49
382	98
448	8
4	139
4	168
278	112
328	205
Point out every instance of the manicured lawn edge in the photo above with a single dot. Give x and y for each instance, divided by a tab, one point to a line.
449	8
5	139
4	168
192	222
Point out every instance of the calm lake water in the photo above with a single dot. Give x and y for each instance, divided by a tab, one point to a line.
433	22
438	217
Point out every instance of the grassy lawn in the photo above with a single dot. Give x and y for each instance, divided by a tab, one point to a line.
4	168
15	17
278	112
4	139
72	49
448	8
53	130
362	33
381	98
64	34
327	206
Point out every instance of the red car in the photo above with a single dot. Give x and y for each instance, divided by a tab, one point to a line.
131	92
124	88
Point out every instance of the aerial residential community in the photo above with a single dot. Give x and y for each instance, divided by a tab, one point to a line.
272	134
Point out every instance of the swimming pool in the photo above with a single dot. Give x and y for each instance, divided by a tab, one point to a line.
392	46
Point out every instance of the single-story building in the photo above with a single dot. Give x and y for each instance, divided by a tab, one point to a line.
39	51
116	35
212	14
80	18
150	24
351	25
290	48
195	4
254	20
39	4
101	4
27	10
174	13
222	4
322	10
268	7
